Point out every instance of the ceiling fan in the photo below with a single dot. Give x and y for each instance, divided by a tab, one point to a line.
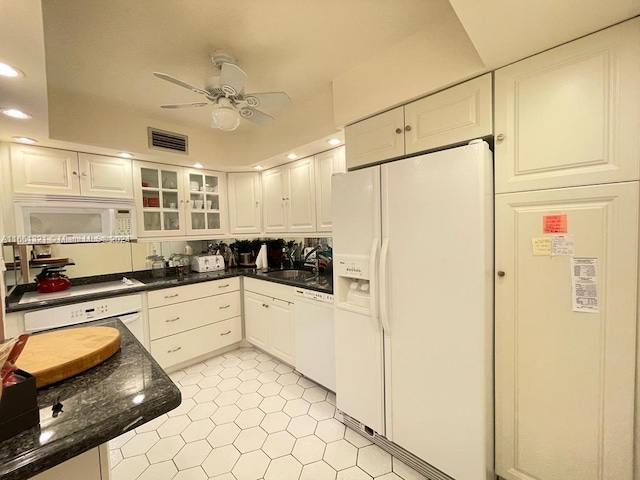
226	93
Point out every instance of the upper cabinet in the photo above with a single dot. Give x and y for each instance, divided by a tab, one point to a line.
454	115
60	172
327	164
245	203
173	201
289	197
570	116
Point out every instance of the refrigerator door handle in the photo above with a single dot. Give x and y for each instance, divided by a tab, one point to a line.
373	280
384	313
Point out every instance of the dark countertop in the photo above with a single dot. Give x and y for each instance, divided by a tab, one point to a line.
323	283
120	394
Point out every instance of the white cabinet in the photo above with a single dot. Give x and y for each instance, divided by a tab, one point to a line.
327	164
61	172
565	379
191	321
90	465
268	318
245	203
569	116
451	116
289	197
173	201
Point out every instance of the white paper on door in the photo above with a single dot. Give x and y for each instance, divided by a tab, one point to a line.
584	284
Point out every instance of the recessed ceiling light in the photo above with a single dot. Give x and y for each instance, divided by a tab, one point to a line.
12	112
292	156
28	140
258	167
125	155
334	141
9	71
198	165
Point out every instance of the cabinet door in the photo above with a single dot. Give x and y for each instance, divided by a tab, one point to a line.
256	319
570	116
564	378
159	198
245	215
273	188
205	209
102	176
301	199
454	115
281	331
327	164
86	466
44	170
375	139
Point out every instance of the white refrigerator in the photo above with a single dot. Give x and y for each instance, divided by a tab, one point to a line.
413	289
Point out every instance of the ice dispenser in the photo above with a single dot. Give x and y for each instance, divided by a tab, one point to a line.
353	283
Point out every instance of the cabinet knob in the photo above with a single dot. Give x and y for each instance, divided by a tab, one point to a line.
84	174
75	173
265	305
501	273
407	128
500	137
398	130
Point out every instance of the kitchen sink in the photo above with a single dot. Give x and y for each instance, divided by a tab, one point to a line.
293	274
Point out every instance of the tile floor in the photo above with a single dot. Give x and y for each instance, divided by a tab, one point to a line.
246	416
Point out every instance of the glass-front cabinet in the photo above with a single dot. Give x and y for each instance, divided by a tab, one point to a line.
176	201
205	201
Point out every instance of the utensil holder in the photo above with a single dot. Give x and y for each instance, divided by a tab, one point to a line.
19	406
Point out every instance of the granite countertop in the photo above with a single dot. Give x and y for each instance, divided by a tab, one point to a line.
322	283
120	394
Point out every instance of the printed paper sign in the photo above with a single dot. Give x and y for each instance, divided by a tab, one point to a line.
584	283
562	245
554	224
541	246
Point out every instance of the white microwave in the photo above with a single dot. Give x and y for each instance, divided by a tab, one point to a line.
74	220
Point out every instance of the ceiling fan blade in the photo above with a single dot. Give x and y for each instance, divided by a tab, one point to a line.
180	83
232	79
256	116
267	99
185	105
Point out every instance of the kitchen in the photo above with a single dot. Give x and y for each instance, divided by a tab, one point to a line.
517	190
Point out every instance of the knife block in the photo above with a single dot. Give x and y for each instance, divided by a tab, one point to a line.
19	406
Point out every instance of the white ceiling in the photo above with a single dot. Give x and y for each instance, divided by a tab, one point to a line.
96	92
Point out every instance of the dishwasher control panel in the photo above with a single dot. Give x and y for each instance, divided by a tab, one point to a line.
313	295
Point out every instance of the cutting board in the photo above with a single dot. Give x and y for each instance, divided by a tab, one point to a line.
55	356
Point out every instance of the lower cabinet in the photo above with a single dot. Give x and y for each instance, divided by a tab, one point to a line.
192	327
91	465
269	324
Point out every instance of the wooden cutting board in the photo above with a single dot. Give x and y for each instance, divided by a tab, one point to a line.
54	356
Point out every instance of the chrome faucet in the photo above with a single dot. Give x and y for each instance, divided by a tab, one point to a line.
287	257
319	251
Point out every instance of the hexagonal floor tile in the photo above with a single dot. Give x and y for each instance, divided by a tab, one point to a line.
232	353
309	449
288	379
283	468
406	472
291	392
318	471
221	460
304	382
269	389
373	460
250	374
330	430
340	454
248	364
192	379
251	466
130	468
198	430
206	395
223	435
202	410
279	444
196	368
182	409
283	368
266	366
272	404
297	407
195	473
225	414
139	444
189	391
302	426
275	422
210	381
249	400
119	441
249	386
177	375
230	372
389	476
165	449
229	384
353	473
192	455
248	355
213	370
217	360
263	357
152	425
250	418
250	439
232	362
227	398
268	376
355	438
322	410
173	426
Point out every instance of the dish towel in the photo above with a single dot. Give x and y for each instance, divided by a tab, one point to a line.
261	260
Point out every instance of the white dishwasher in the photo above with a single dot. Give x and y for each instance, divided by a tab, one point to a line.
315	343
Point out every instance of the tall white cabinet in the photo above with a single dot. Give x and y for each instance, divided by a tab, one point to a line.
327	163
566	335
245	203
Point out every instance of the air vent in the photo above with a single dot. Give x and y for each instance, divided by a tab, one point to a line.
168	141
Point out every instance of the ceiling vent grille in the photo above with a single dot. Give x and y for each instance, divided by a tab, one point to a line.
167	141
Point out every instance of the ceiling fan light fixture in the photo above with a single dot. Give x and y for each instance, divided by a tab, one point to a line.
225	117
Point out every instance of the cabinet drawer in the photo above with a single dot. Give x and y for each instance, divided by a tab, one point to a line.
270	289
172	319
184	293
184	346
